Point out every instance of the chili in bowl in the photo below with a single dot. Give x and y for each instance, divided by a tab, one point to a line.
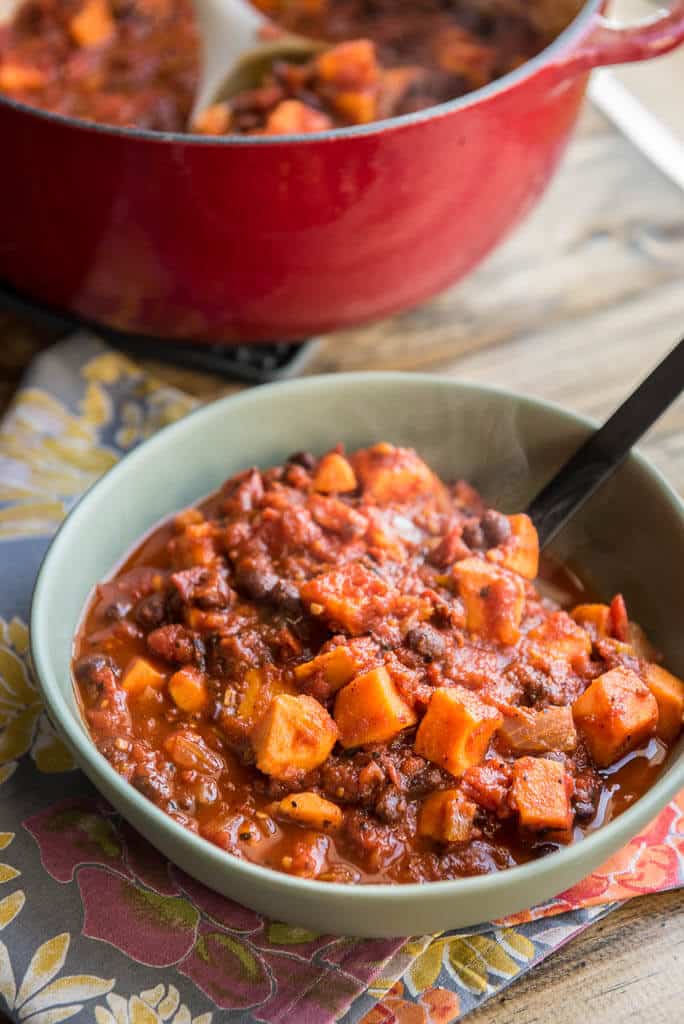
339	667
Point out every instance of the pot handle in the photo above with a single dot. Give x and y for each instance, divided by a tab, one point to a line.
609	43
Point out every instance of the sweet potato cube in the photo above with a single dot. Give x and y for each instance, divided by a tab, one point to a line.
351	64
339	667
456	729
595	618
295	734
352	596
139	674
390	474
447	816
561	637
541	793
188	689
493	599
309	809
615	714
539	732
263	684
668	691
292	117
371	710
93	25
20	77
334	475
520	553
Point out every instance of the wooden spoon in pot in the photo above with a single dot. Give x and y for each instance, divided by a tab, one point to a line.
238	45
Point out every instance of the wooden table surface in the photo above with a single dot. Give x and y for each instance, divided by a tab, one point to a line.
575	307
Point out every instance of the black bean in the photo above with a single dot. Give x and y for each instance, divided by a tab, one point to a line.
285	594
495	527
473	535
254	580
151	611
305	459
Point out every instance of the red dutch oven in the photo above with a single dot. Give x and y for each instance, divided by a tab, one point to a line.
254	239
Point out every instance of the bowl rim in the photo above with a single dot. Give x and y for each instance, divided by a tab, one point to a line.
571	32
640	812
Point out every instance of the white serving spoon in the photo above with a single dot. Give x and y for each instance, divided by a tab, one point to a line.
238	44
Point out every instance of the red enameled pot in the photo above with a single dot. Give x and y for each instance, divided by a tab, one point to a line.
252	239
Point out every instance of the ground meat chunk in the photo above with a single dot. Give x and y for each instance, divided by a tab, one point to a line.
426	641
204	587
391	805
375	844
173	643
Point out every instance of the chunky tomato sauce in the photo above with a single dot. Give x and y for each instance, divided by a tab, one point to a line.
136	62
341	668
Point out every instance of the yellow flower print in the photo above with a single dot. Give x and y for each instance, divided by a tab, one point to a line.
155	1006
48	456
39	997
7	872
24	726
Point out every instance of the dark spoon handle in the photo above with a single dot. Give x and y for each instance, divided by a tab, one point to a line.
602	453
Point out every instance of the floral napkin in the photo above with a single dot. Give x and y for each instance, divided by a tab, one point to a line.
95	924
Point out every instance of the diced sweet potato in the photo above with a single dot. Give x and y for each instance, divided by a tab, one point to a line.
295	734
357	106
539	732
371	710
668	691
390	474
615	714
20	77
447	816
213	120
541	793
188	689
334	475
493	599
350	65
139	674
595	618
263	684
93	25
339	667
352	596
561	637
520	553
292	117
456	729
309	809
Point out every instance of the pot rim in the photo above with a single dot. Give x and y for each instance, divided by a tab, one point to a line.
570	34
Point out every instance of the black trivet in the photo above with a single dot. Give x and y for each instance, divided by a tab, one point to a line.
257	364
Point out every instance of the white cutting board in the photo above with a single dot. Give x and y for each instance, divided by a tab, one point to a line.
646	100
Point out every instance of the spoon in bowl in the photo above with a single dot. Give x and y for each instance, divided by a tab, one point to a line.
603	452
238	45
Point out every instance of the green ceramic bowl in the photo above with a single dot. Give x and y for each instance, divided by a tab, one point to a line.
630	537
